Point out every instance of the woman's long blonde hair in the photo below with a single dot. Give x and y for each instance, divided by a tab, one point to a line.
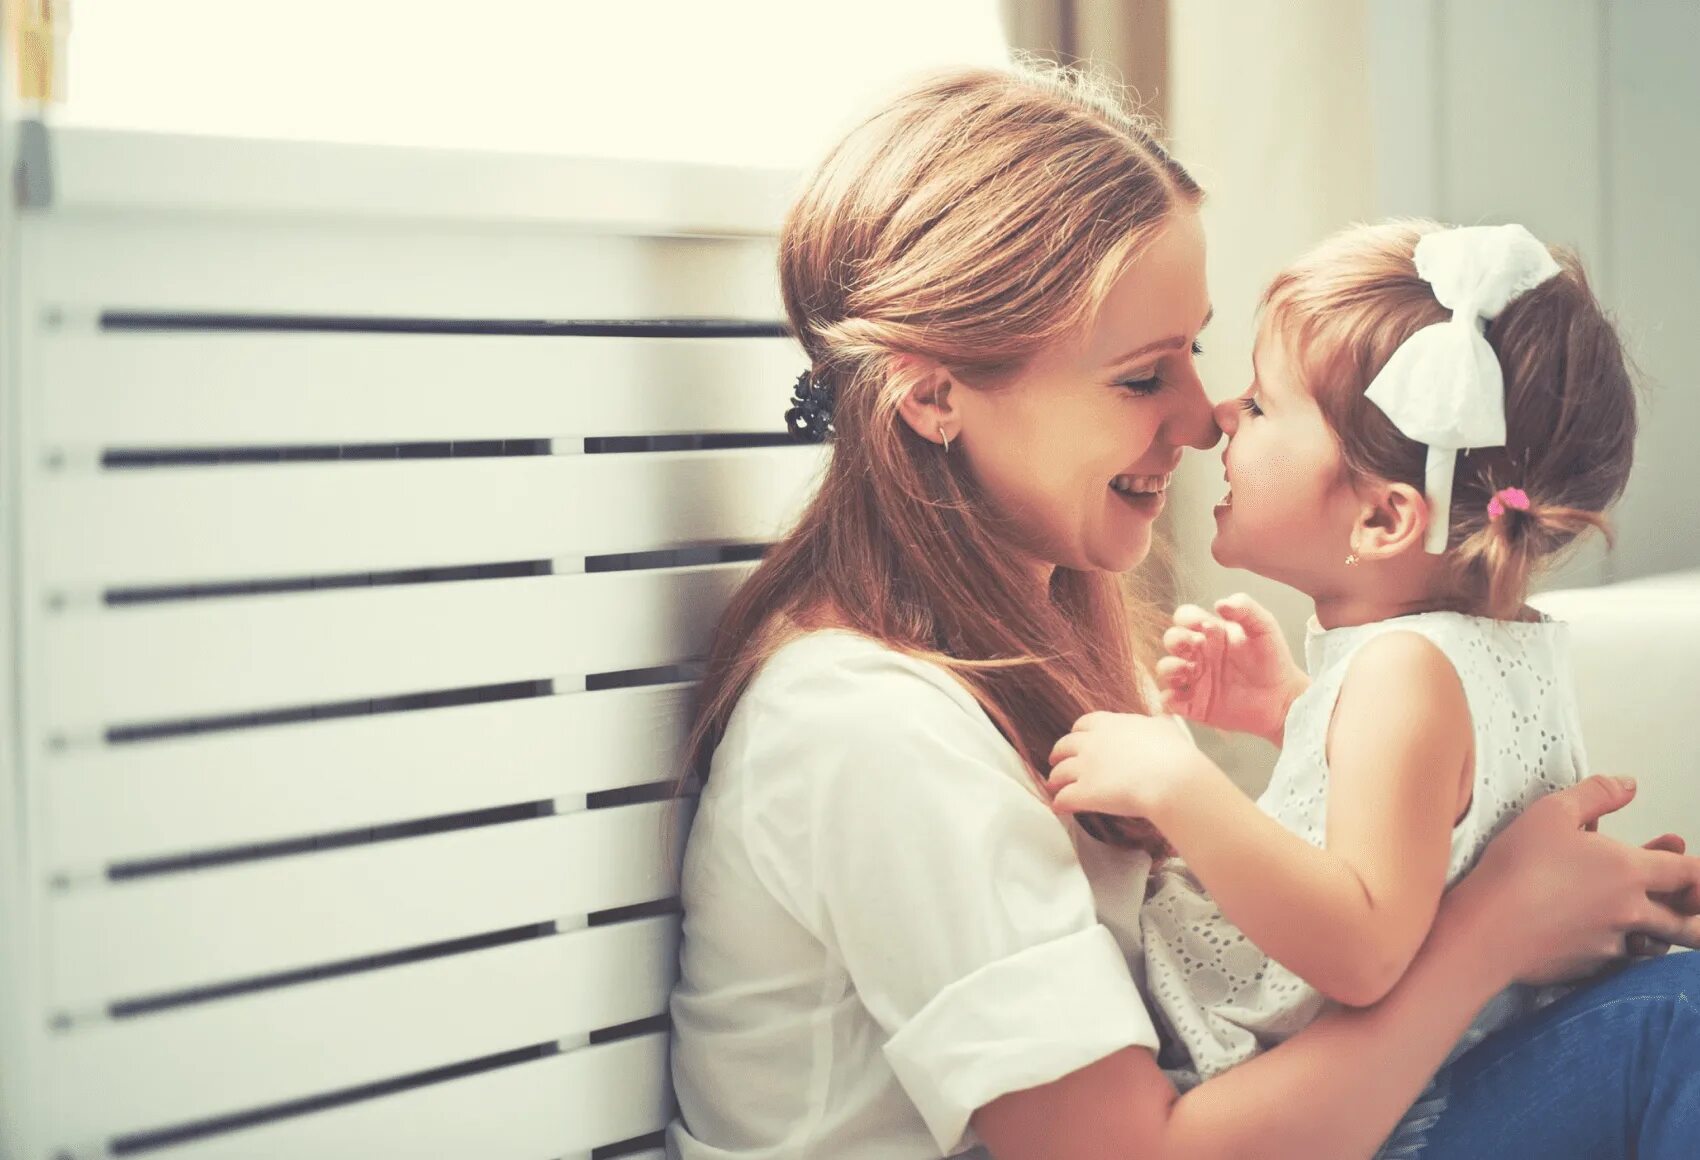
973	221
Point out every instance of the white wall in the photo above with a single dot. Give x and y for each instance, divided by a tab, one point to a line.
1651	180
1576	117
1268	110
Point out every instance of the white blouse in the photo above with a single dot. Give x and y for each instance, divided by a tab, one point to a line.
885	926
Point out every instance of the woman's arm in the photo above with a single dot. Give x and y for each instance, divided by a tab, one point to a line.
1547	901
1348	918
1334	1090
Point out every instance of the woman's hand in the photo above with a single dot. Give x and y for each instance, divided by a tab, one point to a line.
1123	764
1560	900
1230	670
1646	946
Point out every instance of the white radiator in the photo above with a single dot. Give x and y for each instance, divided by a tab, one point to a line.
364	512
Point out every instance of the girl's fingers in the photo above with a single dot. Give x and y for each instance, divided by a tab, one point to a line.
1248	614
1064	801
1175	638
1173	670
1065	748
1190	616
1184	642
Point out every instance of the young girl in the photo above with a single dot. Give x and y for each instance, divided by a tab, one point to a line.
1408	471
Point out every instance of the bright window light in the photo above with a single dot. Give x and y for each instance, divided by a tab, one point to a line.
749	82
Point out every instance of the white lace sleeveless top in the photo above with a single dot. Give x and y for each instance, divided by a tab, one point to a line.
1221	1000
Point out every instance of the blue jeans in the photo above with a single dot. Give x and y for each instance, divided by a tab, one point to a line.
1609	1071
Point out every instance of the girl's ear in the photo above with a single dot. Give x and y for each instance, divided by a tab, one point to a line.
927	403
1392	521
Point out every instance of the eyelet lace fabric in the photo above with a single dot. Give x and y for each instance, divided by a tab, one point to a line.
1220	999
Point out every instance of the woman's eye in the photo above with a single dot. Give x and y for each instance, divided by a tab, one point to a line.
1154	383
1249	405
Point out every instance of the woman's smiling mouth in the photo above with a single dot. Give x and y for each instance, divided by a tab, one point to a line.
1146	494
1140	485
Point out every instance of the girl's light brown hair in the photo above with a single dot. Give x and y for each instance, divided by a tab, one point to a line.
973	221
1569	400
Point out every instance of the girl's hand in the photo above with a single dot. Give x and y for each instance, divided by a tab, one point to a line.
1231	670
1560	900
1123	764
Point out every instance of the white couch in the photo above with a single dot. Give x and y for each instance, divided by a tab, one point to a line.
1637	664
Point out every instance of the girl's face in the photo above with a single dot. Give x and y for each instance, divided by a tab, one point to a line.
1077	452
1289	510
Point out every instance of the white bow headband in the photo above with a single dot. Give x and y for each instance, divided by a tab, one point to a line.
1444	385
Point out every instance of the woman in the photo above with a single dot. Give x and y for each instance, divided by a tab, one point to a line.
892	947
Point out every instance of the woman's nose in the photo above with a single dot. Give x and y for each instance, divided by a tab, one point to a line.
1227	415
1194	423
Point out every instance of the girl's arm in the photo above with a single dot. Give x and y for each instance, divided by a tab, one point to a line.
1230	669
1347	919
1547	901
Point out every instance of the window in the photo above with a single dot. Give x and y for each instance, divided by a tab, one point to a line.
755	82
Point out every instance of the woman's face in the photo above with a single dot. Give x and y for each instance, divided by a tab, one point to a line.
1077	451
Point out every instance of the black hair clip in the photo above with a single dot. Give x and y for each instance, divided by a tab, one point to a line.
810	417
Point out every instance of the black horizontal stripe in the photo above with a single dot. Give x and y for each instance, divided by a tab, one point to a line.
382	324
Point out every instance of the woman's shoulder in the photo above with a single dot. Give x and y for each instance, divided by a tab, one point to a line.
825	674
832	705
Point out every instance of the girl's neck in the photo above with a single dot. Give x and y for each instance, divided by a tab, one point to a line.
1345	611
1381	589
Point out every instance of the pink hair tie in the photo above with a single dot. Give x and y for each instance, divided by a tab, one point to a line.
1507	497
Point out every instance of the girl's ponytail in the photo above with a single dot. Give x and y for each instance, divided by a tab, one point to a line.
1570	401
1508	543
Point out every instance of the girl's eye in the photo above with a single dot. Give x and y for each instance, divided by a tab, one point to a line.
1197	349
1249	405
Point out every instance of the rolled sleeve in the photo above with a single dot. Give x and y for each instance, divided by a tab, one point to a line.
1017	1023
901	828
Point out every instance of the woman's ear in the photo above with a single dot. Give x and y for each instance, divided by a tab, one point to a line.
928	403
1392	521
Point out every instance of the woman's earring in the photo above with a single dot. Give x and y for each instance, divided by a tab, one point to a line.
946	439
1352	560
